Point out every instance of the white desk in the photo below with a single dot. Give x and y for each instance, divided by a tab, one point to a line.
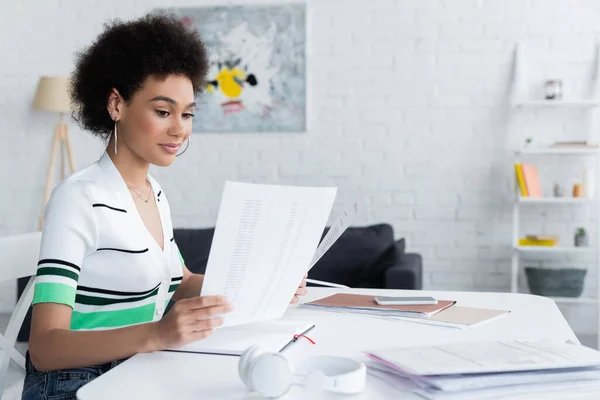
168	375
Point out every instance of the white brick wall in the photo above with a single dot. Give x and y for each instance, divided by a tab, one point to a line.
407	116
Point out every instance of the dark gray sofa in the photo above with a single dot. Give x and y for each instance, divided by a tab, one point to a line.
363	257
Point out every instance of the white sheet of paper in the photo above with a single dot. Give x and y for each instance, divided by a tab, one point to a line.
489	357
558	389
339	225
233	340
264	241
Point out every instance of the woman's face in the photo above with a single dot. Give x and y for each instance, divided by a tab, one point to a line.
157	120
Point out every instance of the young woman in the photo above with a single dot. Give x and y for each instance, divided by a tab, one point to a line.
108	263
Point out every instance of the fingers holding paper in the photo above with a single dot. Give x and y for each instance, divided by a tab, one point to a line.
189	320
301	291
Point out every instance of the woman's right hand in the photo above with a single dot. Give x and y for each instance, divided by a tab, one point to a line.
189	320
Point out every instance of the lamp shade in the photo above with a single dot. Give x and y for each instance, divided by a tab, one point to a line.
52	94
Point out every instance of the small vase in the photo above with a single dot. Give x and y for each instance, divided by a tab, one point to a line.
581	240
558	191
553	89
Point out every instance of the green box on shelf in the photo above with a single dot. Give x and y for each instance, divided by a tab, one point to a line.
555	282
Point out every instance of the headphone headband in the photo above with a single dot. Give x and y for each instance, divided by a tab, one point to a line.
342	374
272	375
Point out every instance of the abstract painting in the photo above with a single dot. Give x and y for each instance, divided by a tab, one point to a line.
257	76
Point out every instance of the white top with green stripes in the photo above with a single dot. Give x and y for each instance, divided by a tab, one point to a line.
98	257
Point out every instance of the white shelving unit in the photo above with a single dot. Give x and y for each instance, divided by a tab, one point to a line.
555	200
557	103
557	151
529	153
555	250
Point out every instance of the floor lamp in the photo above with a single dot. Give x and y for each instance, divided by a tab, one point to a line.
52	95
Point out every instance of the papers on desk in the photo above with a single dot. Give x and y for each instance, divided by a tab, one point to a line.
266	238
444	314
478	370
459	317
365	304
233	340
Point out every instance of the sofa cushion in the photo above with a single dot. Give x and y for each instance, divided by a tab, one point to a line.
375	273
348	260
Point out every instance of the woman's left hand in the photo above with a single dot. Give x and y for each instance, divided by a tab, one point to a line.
301	291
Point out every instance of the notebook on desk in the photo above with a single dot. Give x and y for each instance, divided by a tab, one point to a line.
233	340
365	304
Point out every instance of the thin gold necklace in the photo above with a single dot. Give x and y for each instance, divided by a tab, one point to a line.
139	195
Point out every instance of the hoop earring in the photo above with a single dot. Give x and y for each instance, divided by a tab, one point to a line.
186	147
115	137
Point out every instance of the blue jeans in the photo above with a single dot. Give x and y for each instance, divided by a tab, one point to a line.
60	384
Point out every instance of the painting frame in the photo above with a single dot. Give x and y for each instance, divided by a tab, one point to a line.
258	75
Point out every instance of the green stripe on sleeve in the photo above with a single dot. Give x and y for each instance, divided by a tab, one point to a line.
173	287
58	272
112	319
50	292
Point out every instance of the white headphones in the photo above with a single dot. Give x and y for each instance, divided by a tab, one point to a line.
272	375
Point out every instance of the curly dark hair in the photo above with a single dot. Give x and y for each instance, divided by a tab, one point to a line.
124	56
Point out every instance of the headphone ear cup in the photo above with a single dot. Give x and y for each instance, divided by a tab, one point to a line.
271	375
247	358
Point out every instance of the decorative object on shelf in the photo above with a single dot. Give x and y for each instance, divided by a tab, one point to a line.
558	190
589	183
584	144
581	238
577	190
532	180
560	282
528	180
521	180
539	240
553	89
257	78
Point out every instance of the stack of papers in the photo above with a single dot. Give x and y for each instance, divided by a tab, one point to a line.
477	370
364	304
444	314
459	317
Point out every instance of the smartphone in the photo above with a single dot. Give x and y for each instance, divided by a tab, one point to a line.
399	301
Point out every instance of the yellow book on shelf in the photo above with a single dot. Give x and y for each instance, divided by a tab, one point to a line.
521	179
538	241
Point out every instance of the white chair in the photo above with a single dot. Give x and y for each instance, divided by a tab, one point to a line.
19	256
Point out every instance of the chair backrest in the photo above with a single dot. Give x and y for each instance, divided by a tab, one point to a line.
19	255
18	259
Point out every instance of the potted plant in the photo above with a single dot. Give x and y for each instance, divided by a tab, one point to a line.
581	238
